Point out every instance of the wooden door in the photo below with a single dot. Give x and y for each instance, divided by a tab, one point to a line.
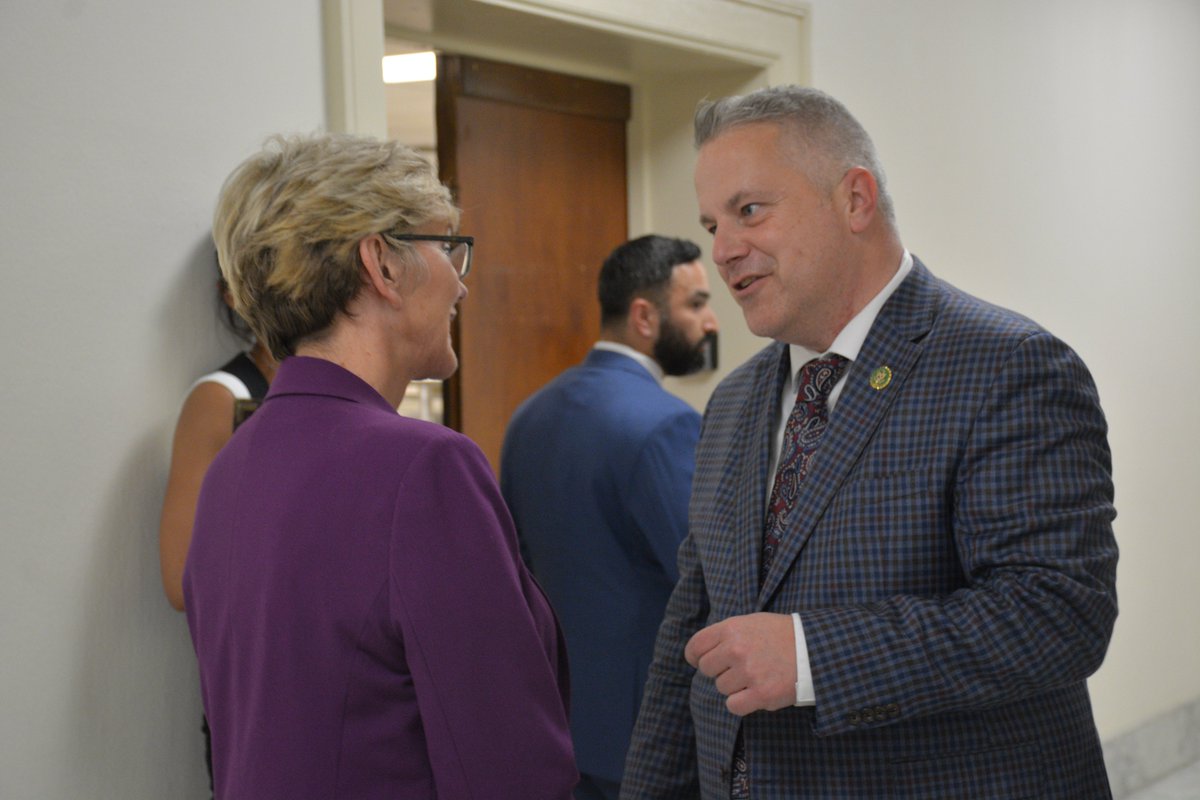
537	163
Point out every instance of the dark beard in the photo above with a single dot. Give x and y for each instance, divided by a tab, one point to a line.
675	354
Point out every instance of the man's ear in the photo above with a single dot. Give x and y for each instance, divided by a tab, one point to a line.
381	273
861	194
644	318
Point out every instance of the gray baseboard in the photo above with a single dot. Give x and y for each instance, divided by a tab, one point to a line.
1154	750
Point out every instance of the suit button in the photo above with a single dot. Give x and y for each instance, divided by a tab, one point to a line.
893	710
725	774
855	718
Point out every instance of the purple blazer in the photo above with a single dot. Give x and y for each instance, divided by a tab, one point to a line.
364	624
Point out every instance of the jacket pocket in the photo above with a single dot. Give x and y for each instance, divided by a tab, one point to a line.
871	489
1010	773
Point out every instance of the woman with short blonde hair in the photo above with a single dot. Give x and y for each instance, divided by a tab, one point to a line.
363	621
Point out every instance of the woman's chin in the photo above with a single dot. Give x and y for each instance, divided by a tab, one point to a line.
441	371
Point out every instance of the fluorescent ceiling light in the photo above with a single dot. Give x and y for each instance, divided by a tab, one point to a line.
409	68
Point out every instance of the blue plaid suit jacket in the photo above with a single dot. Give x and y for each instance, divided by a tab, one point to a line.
953	563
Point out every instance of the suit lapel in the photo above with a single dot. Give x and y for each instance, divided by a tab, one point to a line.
894	342
753	449
734	529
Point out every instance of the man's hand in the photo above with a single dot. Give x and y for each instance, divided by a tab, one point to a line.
752	658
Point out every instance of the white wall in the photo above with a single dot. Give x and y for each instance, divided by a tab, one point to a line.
1046	156
120	121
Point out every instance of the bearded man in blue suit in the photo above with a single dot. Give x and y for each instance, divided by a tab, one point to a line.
597	468
900	566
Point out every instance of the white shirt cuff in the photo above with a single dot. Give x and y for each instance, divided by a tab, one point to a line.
805	694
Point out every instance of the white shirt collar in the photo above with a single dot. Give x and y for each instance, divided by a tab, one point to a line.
646	361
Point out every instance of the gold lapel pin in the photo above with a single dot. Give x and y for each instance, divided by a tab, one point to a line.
881	377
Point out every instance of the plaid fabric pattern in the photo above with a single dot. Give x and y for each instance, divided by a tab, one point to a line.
801	435
951	556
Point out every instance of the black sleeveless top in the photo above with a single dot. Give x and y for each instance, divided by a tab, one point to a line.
244	369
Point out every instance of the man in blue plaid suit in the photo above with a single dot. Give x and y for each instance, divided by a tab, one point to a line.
945	582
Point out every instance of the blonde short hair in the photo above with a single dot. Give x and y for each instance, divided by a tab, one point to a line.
289	220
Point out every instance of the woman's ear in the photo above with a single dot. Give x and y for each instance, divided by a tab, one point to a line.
381	267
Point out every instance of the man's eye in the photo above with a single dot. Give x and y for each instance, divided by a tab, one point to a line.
749	209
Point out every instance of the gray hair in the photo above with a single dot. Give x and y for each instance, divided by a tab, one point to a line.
826	137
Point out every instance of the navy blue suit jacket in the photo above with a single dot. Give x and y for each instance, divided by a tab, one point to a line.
951	557
597	468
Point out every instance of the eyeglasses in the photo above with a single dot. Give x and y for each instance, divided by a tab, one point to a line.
457	248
